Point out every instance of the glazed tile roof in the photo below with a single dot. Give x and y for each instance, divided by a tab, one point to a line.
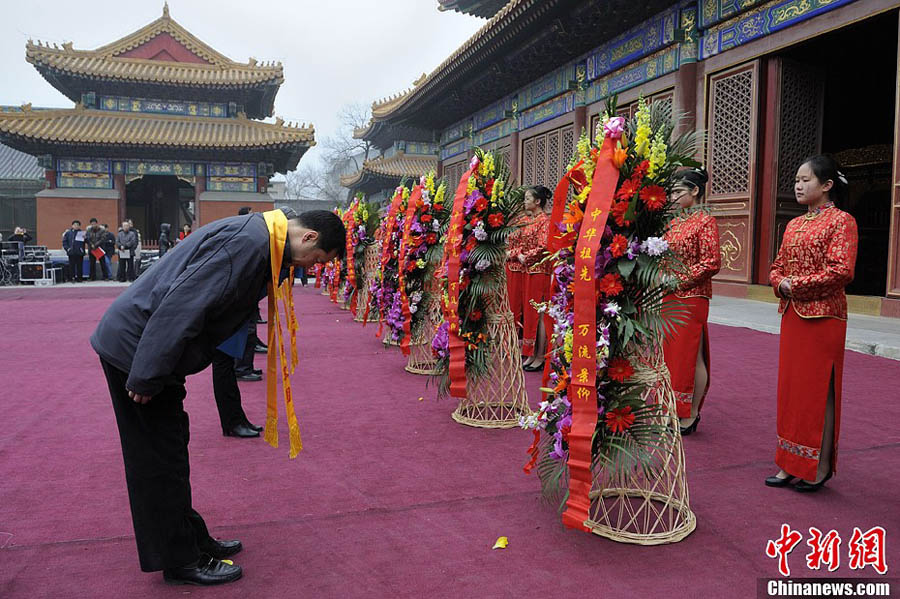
397	167
478	8
80	126
106	63
18	165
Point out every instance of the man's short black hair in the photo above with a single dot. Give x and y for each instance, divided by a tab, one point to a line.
332	234
93	220
76	221
244	210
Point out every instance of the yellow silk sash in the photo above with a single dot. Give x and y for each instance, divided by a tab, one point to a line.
276	222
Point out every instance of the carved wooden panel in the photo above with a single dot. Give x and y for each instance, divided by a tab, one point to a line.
453	172
528	161
733	106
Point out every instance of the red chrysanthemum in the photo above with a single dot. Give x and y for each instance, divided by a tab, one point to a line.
431	238
619	369
618	213
618	245
495	220
620	419
654	197
489	187
610	285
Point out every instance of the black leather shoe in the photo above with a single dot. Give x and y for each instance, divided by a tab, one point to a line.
261	349
805	487
249	377
260	321
220	549
253	426
204	572
774	481
241	430
687	430
257	371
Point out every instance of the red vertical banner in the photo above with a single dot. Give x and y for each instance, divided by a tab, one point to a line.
350	226
414	200
557	238
583	384
335	279
452	250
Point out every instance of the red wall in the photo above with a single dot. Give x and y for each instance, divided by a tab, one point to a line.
55	215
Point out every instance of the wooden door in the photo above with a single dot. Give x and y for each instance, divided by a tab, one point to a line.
732	114
798	135
893	282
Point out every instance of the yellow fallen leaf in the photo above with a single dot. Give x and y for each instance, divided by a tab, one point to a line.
421	398
501	543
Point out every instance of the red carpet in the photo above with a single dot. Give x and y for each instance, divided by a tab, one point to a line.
390	497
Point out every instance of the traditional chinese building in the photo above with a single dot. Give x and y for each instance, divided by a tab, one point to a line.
164	129
770	82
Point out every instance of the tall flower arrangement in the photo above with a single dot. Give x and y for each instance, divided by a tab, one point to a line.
622	271
384	289
475	248
361	221
423	231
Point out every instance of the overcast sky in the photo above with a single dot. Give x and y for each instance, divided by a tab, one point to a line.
334	51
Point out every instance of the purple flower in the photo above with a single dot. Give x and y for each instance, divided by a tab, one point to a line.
440	344
468	204
482	265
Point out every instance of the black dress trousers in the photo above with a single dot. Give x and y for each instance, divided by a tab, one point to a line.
155	439
225	388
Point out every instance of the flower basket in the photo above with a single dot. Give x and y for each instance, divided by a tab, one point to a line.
370	264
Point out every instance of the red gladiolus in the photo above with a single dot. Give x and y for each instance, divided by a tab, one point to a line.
495	220
610	284
488	187
640	171
618	246
654	197
473	222
564	431
619	369
620	419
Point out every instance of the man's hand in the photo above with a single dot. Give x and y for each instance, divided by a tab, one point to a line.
784	289
138	398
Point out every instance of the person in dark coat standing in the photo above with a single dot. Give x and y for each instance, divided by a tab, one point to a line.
73	243
164	239
165	327
95	235
108	245
126	243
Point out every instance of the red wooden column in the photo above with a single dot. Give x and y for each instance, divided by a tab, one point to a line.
685	99
119	186
50	175
765	208
199	187
514	156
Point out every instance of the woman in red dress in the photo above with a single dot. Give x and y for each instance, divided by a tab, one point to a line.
515	271
533	250
814	264
694	237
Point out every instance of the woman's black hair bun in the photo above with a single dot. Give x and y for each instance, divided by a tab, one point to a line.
698	177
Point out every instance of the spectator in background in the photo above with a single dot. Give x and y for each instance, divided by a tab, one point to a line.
137	251
21	235
94	242
185	231
126	242
73	243
108	245
164	239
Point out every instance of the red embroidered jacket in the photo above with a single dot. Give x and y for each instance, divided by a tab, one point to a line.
534	244
695	240
818	255
515	244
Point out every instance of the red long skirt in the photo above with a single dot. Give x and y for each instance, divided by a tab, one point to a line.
515	287
811	352
537	288
680	350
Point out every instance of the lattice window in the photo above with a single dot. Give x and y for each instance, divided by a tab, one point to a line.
453	172
553	158
801	121
540	160
528	162
568	147
595	122
503	155
730	142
